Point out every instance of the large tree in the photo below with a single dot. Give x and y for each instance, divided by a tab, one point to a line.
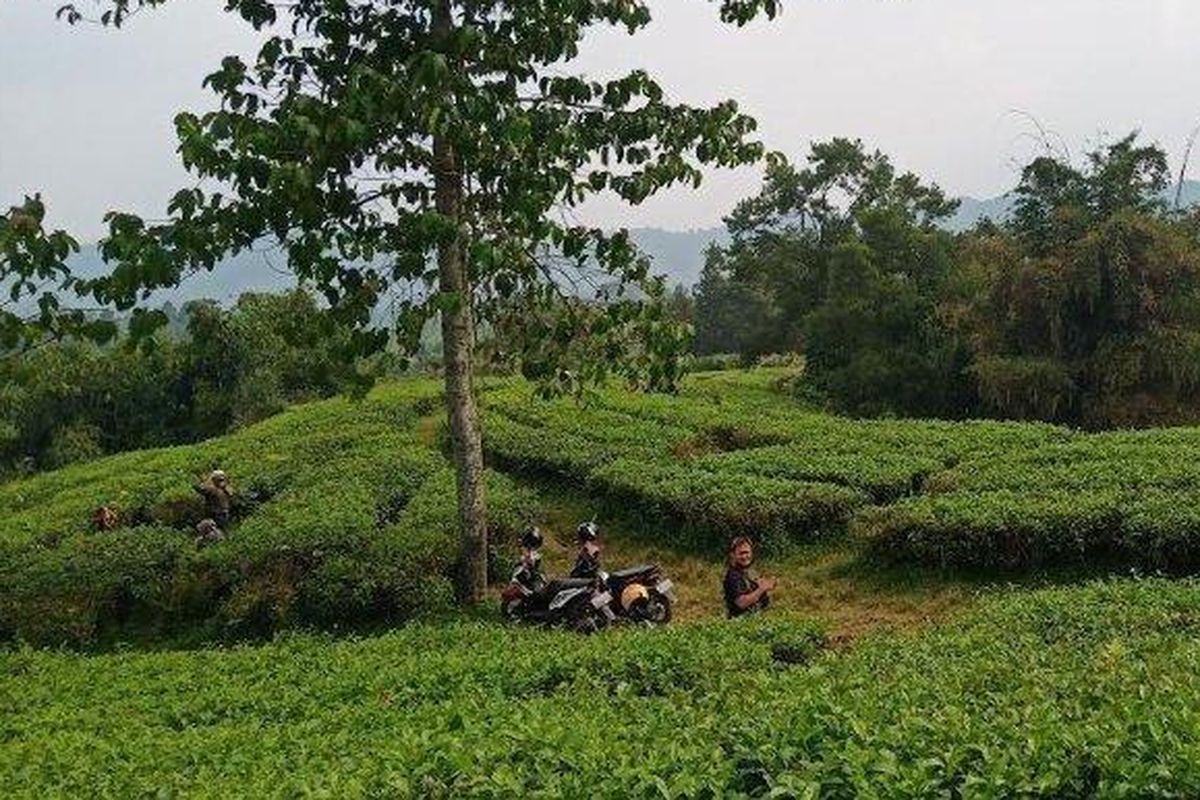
431	147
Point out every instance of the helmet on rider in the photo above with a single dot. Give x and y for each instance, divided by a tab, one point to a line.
587	532
532	538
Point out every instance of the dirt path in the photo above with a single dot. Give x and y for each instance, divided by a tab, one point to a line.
822	580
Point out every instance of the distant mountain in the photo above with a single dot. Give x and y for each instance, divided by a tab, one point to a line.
264	271
679	255
972	210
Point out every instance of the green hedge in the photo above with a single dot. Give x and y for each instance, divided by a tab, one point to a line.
357	523
1091	691
1110	499
700	508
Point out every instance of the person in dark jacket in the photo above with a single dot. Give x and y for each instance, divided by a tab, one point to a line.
587	563
529	569
745	593
218	497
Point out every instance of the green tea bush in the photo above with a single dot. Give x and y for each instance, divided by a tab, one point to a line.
1003	529
1110	499
730	454
708	508
884	475
354	520
1091	691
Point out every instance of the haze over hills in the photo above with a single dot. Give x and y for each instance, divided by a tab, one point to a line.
679	255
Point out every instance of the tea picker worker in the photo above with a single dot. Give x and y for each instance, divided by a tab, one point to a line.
207	532
218	497
745	593
104	519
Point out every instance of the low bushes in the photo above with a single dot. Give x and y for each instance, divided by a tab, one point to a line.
1090	691
730	455
354	521
1111	499
704	508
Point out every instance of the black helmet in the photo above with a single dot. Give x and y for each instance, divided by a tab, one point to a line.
531	539
587	532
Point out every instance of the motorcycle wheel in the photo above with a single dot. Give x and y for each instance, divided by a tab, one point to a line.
657	610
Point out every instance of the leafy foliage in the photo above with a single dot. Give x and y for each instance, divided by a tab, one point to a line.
343	515
331	140
1084	307
71	401
1087	691
1081	308
36	281
843	260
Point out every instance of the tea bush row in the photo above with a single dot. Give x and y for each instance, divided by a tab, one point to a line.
354	521
1112	499
729	454
1090	691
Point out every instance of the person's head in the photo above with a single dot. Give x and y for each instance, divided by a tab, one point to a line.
207	528
740	553
219	478
588	533
532	538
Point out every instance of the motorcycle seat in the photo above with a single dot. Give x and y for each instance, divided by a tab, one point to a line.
629	572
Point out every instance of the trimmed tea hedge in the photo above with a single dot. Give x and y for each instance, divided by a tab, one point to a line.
730	455
355	520
1091	691
1122	499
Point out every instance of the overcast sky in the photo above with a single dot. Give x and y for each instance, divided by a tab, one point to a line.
85	113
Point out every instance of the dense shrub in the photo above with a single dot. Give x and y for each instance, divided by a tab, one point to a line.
346	517
1091	691
731	454
216	370
1080	306
1104	498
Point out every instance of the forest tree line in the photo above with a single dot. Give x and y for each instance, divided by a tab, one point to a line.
1081	307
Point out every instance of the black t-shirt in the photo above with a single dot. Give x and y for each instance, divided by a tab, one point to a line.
737	583
587	565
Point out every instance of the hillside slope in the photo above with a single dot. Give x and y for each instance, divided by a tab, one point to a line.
347	515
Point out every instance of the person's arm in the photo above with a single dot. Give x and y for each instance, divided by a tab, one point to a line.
752	597
747	599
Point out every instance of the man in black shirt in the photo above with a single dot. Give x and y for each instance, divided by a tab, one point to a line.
587	563
744	593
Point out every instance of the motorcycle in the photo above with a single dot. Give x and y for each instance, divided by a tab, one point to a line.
580	604
640	594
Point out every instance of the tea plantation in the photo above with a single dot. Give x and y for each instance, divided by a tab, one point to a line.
346	522
729	456
1091	691
350	518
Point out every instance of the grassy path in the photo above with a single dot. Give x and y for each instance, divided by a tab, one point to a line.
823	580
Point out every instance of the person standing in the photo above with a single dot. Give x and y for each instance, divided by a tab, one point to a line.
745	593
218	497
587	562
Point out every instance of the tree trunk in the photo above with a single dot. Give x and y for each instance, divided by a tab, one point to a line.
458	346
